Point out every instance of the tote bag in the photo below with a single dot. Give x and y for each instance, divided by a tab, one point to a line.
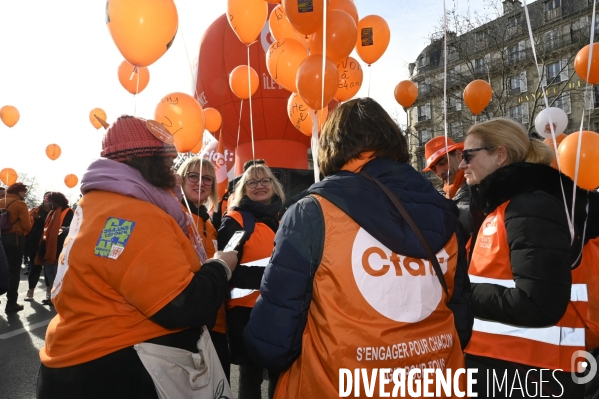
180	374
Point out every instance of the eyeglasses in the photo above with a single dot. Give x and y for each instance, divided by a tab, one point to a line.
254	183
195	177
466	154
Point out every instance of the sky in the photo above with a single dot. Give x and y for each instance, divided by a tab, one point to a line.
58	62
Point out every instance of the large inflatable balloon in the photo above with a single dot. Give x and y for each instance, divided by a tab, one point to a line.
71	180
8	176
350	79
133	79
406	93
588	178
97	117
302	116
183	117
142	30
581	64
276	139
373	38
283	59
247	18
53	151
477	95
559	120
9	115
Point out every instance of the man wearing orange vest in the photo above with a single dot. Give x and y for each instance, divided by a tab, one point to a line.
444	162
349	285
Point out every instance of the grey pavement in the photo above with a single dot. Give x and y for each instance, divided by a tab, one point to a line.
22	335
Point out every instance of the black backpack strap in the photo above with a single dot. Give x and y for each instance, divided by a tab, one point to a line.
408	218
249	222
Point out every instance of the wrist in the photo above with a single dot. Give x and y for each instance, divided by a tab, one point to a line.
228	271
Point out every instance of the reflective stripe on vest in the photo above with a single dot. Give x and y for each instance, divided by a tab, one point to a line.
547	347
256	252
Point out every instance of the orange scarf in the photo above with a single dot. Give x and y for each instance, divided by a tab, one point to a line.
458	180
355	165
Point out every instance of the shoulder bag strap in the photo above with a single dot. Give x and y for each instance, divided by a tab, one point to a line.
408	218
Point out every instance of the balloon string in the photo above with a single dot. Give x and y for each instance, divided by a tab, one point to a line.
551	127
135	95
324	52
445	91
239	126
369	78
250	94
315	147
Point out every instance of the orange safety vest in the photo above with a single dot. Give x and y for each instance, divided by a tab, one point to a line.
546	347
372	308
259	246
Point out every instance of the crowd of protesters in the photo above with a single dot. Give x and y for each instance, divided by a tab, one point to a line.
370	257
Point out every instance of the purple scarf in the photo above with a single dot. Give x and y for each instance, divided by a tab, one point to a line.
115	177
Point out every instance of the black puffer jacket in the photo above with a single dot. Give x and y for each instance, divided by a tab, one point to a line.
538	235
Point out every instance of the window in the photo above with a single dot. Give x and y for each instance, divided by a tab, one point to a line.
422	61
562	102
552	5
556	72
551	39
424	112
425	136
479	66
520	113
553	9
553	72
424	87
514	21
518	83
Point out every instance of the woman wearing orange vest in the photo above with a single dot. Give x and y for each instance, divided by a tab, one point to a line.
257	201
130	272
198	181
529	306
349	284
56	229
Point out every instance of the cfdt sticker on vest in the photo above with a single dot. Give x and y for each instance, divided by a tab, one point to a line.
305	5
114	237
398	287
367	37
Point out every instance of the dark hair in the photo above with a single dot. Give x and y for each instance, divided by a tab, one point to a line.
253	162
155	170
356	126
59	199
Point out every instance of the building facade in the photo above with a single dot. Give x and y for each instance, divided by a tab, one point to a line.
500	52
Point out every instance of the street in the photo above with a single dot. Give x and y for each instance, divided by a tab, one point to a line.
22	335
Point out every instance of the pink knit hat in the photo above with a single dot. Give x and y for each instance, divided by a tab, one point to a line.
129	137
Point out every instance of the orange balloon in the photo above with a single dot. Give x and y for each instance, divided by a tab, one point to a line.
301	116
198	147
213	120
406	93
183	117
345	5
133	79
350	79
581	64
477	95
281	28
247	18
97	117
53	151
341	36
71	180
142	30
283	60
8	176
559	138
588	178
238	80
373	38
305	16
309	81
9	115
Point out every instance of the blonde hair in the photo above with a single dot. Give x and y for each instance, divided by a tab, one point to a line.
512	135
206	167
254	171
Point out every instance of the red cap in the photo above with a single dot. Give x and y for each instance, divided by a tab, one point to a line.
435	149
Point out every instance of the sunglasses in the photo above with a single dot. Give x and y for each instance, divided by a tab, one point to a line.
195	177
466	154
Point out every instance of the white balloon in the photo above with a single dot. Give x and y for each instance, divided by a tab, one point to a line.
558	118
